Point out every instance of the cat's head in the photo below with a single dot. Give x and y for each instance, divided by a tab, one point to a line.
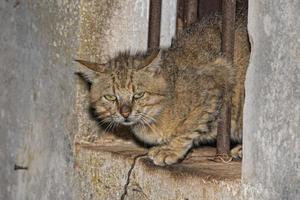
127	90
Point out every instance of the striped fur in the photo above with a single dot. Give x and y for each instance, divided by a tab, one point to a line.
174	101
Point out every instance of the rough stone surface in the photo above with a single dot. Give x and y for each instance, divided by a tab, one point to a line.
37	103
168	22
40	113
271	167
109	168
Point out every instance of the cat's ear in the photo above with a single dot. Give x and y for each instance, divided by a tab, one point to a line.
96	67
150	61
93	71
87	79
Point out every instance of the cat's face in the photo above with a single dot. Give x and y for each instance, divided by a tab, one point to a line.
127	95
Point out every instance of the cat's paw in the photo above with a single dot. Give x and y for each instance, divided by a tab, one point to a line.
237	152
164	155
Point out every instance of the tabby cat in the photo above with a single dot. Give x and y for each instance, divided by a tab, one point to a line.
172	98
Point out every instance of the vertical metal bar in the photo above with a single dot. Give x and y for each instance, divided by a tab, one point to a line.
190	12
187	14
228	21
179	16
209	7
228	31
224	126
154	24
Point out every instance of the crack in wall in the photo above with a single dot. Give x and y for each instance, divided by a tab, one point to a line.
129	175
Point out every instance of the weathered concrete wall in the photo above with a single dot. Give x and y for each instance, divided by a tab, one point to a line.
271	165
168	22
118	170
37	101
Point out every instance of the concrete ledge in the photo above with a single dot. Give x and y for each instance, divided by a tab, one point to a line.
116	169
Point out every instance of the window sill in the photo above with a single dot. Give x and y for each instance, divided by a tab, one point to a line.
107	170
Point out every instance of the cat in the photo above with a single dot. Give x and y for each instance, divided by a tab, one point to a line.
172	98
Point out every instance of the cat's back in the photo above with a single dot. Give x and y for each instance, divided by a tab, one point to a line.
194	54
217	74
195	45
201	43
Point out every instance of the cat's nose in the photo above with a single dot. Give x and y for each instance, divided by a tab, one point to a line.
125	110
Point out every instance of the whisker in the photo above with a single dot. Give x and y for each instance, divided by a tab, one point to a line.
148	117
102	120
100	123
142	123
108	127
115	125
149	125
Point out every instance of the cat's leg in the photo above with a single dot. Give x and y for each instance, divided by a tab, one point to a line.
237	152
179	145
174	151
183	140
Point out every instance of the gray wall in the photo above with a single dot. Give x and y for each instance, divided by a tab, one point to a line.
271	165
37	96
39	102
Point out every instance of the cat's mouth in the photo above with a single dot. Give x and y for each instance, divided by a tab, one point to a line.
127	123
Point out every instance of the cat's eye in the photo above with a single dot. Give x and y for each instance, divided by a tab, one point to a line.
110	97
138	95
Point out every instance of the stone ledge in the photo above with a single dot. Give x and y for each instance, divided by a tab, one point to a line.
116	169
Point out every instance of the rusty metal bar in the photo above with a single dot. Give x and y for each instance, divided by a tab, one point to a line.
187	13
154	24
208	7
228	21
228	31
190	12
180	16
224	126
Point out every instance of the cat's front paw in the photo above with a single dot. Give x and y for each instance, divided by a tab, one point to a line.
237	152
164	155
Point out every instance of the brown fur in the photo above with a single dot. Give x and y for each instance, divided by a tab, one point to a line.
174	101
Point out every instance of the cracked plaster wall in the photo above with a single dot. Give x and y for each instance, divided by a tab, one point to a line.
271	165
38	103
